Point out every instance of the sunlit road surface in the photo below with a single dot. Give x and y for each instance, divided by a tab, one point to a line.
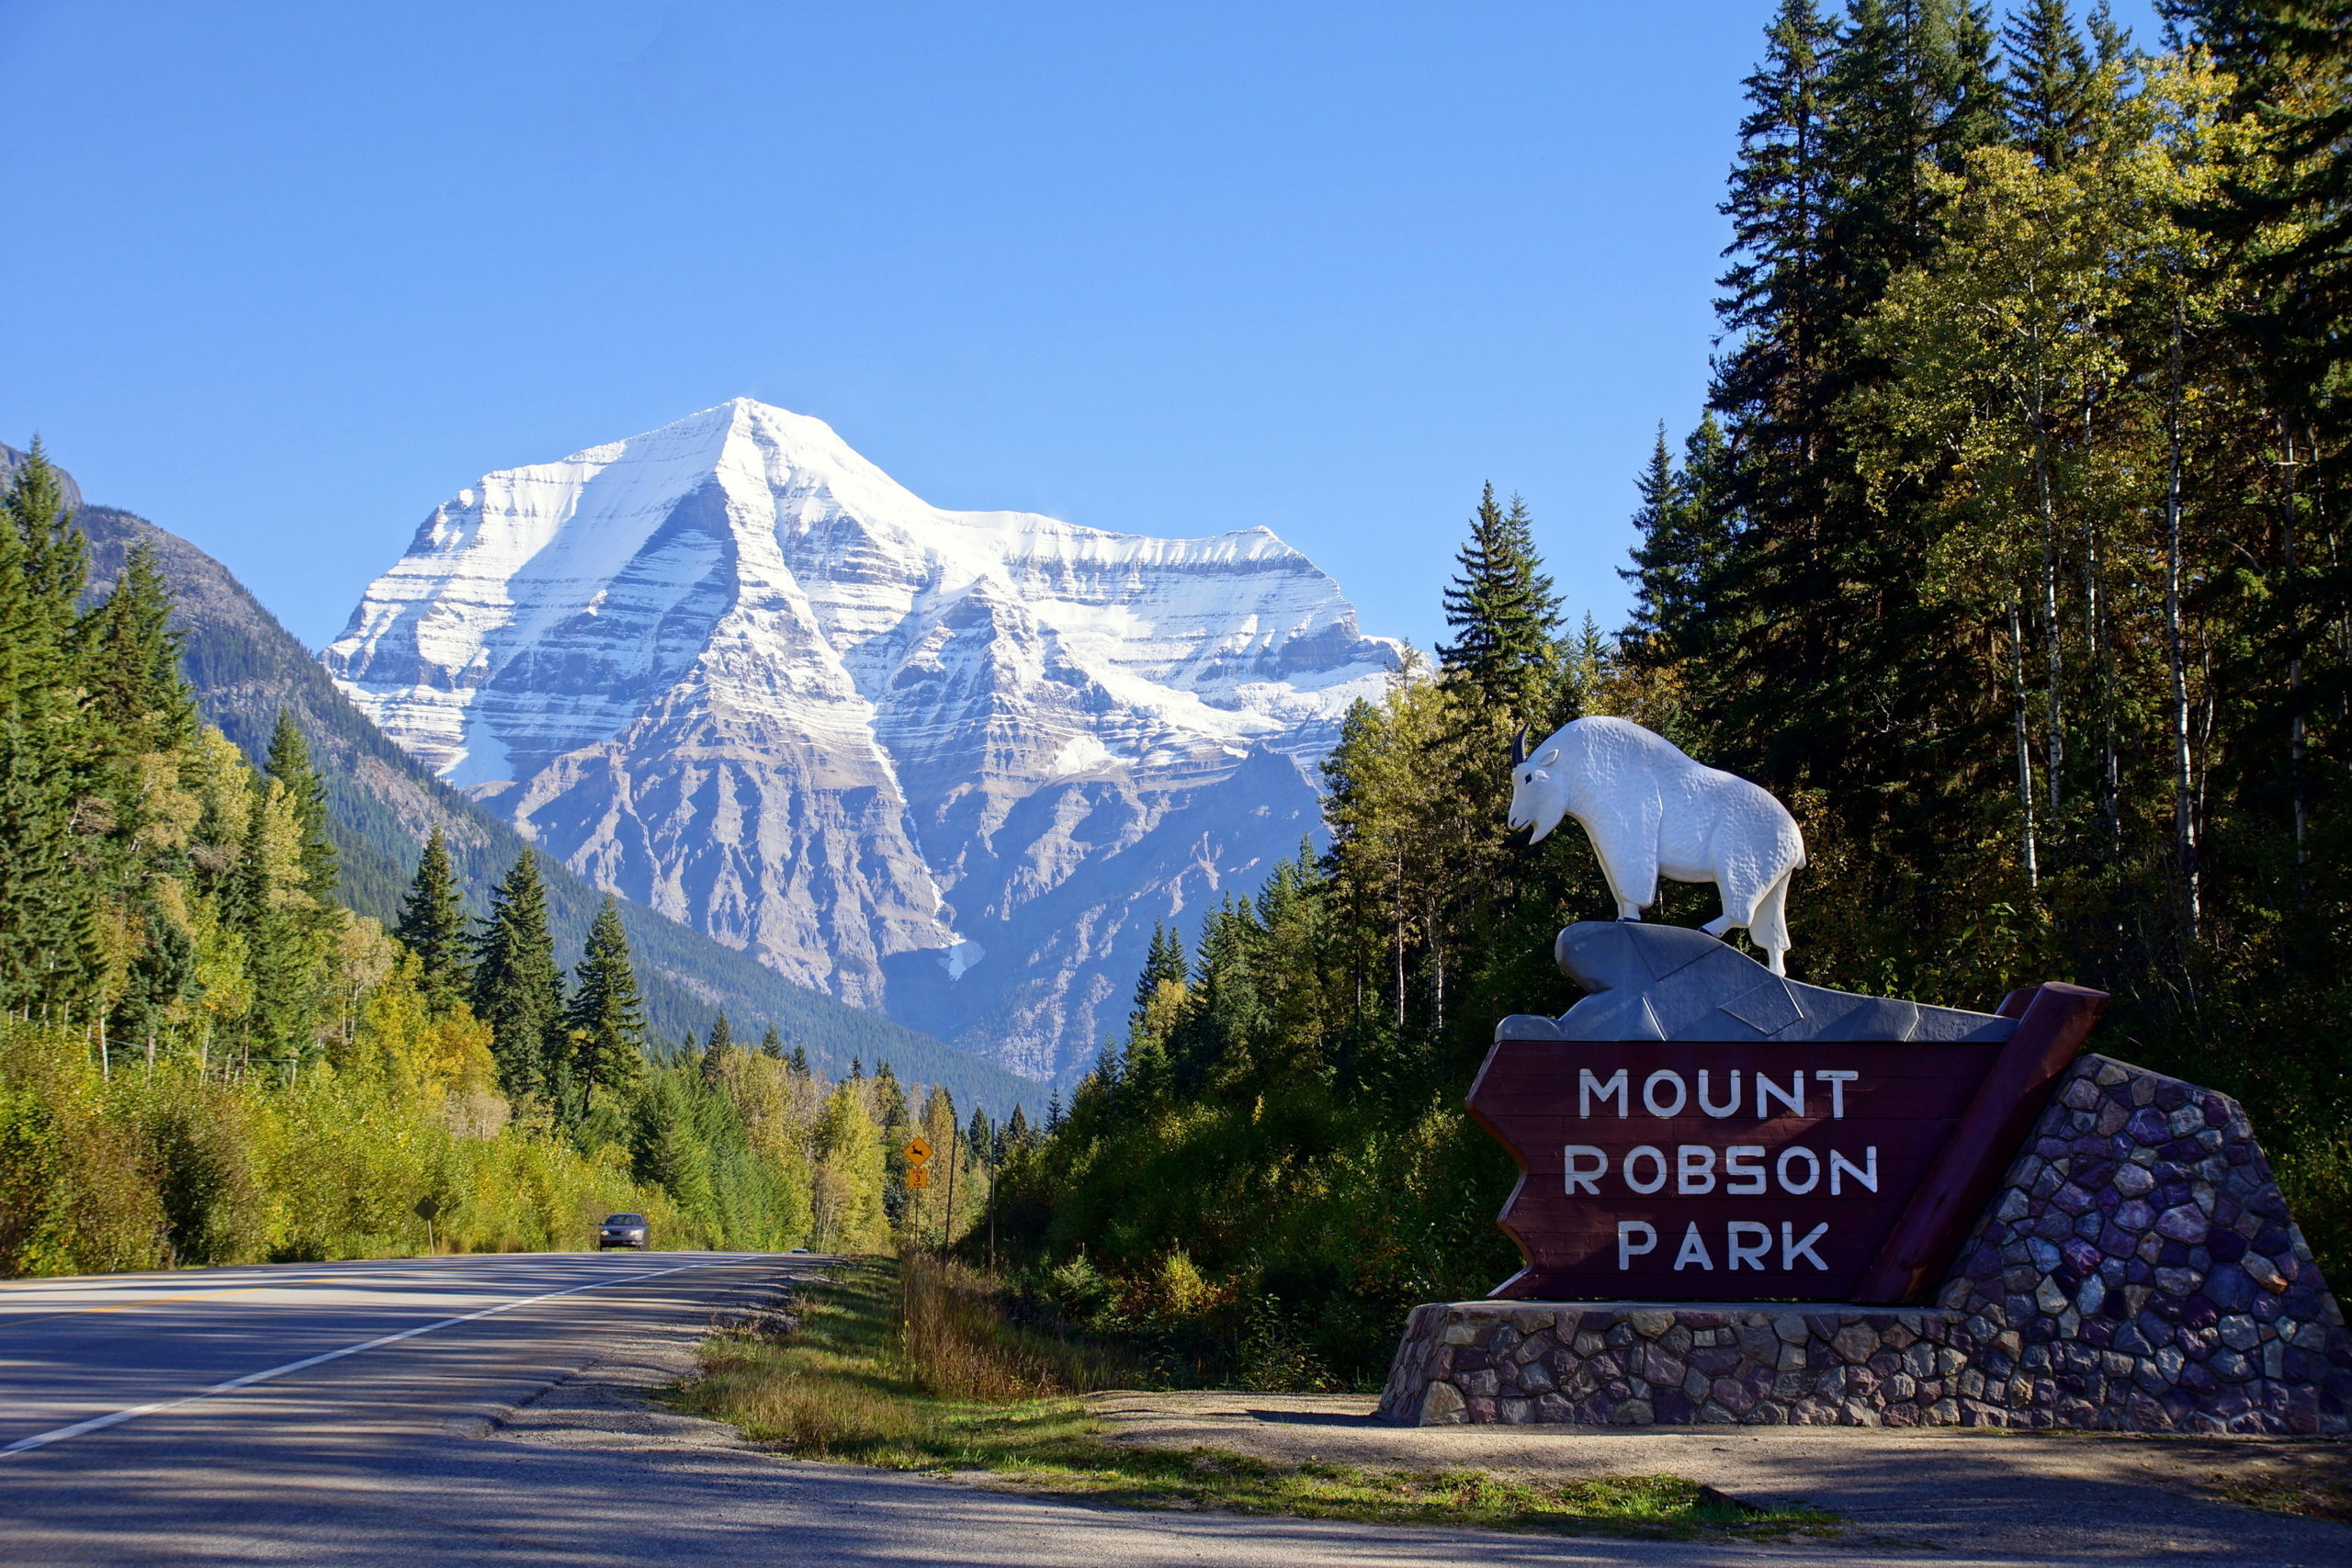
464	1410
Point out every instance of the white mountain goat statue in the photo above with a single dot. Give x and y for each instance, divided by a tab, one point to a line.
1651	811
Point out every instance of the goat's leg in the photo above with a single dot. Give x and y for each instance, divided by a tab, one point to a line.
1632	879
1743	897
1768	927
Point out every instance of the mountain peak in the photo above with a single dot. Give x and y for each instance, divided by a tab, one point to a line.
951	765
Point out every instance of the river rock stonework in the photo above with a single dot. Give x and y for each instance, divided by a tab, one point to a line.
2137	1269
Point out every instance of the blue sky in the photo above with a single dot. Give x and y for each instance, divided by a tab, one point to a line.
282	277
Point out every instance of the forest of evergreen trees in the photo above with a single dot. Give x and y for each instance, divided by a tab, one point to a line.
206	1058
2006	550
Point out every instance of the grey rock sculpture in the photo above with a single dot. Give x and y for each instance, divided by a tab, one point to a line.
1670	983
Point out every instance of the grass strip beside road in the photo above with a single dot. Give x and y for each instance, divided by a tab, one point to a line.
2297	1496
915	1369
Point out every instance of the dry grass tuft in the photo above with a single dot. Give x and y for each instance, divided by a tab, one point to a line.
2304	1497
955	1342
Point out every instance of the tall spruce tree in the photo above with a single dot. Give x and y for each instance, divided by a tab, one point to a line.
1683	537
432	925
2051	83
306	793
771	1043
1164	965
48	955
131	664
714	1047
890	1103
1502	611
605	1021
517	989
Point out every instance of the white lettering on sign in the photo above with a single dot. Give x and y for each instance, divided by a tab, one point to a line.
1587	1085
1666	1093
1866	1173
1729	1107
1749	1243
1670	1077
1757	1171
1791	1249
1792	1097
1697	1170
1837	1082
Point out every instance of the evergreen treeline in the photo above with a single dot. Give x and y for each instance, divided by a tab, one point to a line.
2007	551
205	1057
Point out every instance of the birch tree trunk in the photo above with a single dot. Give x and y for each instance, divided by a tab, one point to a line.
2025	745
2184	818
2295	715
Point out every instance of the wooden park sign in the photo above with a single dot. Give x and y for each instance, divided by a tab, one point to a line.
1699	1128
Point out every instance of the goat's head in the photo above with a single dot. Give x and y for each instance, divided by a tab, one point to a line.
1538	800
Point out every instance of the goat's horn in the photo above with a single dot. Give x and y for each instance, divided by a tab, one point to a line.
1519	749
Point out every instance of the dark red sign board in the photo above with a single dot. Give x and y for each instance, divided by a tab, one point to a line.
1716	1169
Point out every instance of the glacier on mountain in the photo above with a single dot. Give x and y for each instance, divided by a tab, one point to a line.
951	765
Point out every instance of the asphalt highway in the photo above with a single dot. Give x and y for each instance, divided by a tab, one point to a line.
486	1410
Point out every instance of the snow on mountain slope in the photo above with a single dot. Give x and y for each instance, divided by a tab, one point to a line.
952	765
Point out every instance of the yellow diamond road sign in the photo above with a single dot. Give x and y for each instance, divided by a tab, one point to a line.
919	1152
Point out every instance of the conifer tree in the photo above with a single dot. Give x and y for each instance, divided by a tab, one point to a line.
131	664
771	1043
720	1041
1677	559
51	556
432	925
800	1069
1017	1134
46	899
306	793
606	1017
890	1103
2051	81
1165	965
1501	609
517	989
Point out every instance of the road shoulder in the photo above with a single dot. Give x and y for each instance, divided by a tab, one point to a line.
2029	1496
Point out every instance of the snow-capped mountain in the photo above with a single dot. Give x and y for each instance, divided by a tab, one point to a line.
952	765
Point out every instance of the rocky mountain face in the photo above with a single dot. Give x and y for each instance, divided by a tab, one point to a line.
381	803
948	765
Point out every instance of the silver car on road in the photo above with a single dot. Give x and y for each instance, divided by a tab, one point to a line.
621	1230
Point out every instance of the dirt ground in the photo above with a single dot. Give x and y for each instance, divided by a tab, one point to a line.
2060	1497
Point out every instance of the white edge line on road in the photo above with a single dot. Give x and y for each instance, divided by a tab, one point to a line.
113	1419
